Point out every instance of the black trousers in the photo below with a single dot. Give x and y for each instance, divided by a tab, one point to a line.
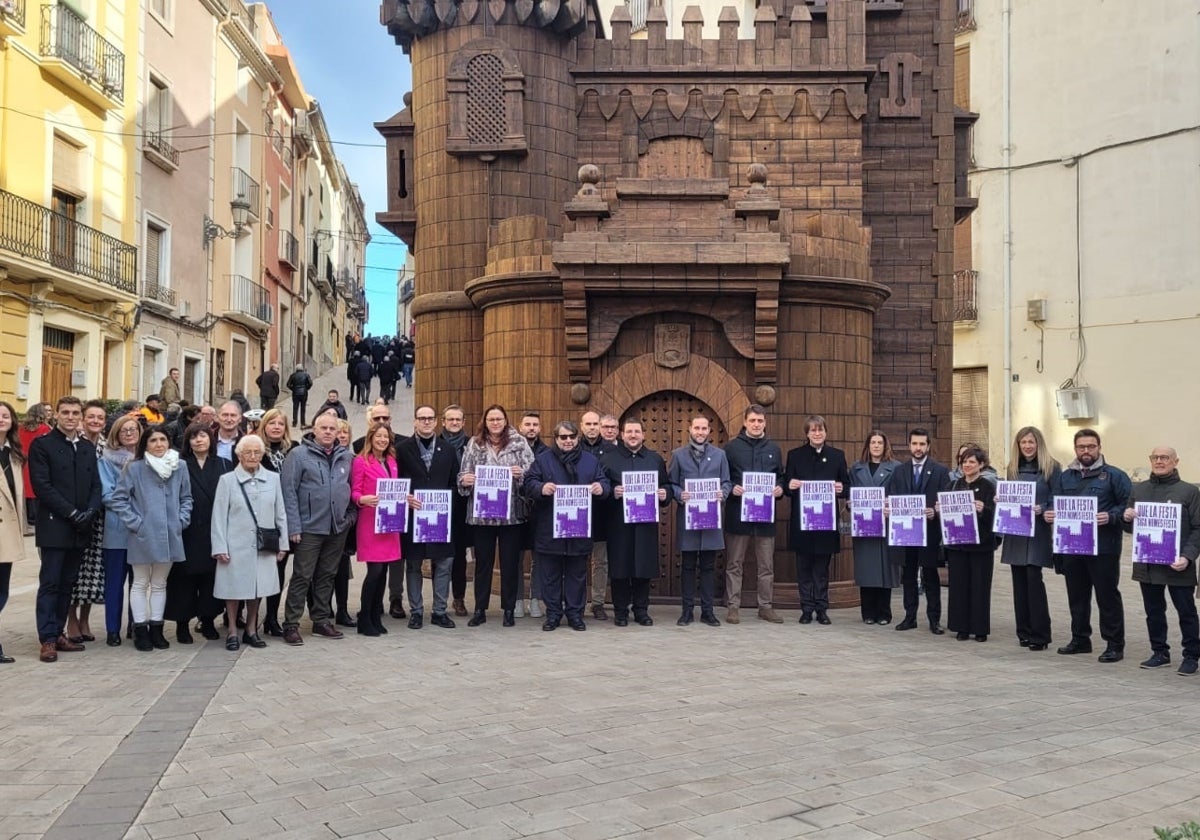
627	592
970	607
1184	598
812	579
929	580
370	601
273	600
563	580
1030	605
876	602
489	538
266	403
60	568
5	577
458	571
299	410
1102	574
191	596
395	586
706	562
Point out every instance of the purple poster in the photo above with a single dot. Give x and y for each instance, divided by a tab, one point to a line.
639	497
758	497
702	512
906	521
1015	501
818	506
960	526
391	514
1156	529
866	511
493	492
431	524
1074	528
572	512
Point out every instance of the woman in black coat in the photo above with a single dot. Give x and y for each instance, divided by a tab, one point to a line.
562	563
971	566
190	585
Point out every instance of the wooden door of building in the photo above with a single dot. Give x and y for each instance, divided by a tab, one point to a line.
666	417
58	354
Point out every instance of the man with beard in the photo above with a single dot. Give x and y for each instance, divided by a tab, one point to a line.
924	476
456	438
531	430
593	442
751	451
634	545
1089	475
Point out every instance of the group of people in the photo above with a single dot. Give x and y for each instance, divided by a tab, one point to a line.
390	359
204	515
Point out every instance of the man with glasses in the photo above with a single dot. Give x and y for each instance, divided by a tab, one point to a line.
456	438
1089	475
431	464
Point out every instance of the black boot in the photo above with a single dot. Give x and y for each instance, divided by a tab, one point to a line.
345	619
182	634
141	637
480	617
377	616
272	628
157	639
209	630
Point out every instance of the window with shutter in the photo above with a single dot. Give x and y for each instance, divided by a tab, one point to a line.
970	409
67	174
153	255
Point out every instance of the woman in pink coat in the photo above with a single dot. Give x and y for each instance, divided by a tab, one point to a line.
377	461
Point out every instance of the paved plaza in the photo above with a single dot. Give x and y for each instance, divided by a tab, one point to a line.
754	731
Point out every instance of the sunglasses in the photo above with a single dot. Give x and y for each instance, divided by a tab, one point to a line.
567	437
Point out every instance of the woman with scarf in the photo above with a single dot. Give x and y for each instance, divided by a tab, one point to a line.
1031	460
121	447
562	562
190	584
277	439
154	501
496	443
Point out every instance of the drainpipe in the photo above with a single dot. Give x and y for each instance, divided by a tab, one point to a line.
1006	156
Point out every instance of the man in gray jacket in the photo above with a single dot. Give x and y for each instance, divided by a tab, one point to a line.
316	493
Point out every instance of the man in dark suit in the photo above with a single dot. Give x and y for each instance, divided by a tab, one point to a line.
432	464
922	475
66	480
814	461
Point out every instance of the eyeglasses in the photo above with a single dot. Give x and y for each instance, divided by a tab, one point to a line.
426	419
251	453
1160	457
566	437
1086	447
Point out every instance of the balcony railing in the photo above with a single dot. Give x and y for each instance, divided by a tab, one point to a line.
39	233
249	298
239	12
965	306
289	249
245	188
965	21
407	290
156	142
67	37
637	13
12	15
282	148
158	293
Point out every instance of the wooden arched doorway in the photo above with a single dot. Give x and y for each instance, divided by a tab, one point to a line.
666	416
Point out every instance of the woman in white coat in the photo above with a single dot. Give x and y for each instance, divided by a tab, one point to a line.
153	500
244	573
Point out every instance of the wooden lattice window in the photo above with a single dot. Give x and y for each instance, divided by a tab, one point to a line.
486	91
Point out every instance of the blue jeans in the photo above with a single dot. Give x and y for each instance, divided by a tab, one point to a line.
115	573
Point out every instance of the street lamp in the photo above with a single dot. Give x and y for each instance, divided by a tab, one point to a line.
240	211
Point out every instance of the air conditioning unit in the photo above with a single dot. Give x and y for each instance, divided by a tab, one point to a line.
185	308
1075	403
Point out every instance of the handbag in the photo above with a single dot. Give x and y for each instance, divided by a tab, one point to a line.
266	539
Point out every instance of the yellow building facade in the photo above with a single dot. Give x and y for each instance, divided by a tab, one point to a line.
68	254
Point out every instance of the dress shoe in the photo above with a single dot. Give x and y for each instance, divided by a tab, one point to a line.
157	637
345	619
65	645
884	622
291	636
685	619
823	618
937	629
868	621
271	628
79	638
441	620
328	631
550	624
1037	646
460	609
599	613
981	637
620	621
1023	642
49	652
644	620
182	634
254	640
962	637
480	617
710	619
416	621
907	624
806	618
397	611
113	640
769	614
509	620
232	643
1111	655
1075	646
208	630
576	624
5	660
731	615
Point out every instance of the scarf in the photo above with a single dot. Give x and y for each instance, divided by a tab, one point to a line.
698	449
165	465
570	462
458	440
425	448
118	457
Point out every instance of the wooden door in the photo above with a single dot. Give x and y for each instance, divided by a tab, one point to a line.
666	416
237	367
56	374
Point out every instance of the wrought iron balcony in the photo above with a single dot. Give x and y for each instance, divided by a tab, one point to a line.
966	309
282	148
39	234
12	17
249	303
245	188
156	293
289	249
160	150
408	290
965	21
97	66
637	14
